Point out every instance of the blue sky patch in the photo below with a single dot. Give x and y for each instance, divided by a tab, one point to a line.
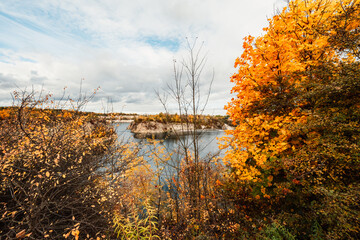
171	44
3	45
24	23
23	59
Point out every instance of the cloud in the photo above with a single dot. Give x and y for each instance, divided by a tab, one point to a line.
125	47
7	81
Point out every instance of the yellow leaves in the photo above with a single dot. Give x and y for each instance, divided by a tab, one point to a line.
67	114
5	114
263	190
56	160
42	157
66	235
282	145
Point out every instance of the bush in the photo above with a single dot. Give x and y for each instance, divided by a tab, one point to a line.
54	181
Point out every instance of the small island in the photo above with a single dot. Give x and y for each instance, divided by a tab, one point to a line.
172	125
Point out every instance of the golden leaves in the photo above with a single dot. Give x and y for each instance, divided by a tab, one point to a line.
42	156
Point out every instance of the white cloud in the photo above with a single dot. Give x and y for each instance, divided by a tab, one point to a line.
126	47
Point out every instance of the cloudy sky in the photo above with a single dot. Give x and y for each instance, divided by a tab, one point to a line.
125	47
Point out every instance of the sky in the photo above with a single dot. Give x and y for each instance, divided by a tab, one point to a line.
123	48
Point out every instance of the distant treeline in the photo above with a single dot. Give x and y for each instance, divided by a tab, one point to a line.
204	120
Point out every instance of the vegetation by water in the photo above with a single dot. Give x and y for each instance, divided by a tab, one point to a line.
207	121
291	168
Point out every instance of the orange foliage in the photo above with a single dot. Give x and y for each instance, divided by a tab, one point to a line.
271	71
296	111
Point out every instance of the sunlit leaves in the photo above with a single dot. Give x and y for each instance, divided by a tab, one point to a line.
272	71
296	112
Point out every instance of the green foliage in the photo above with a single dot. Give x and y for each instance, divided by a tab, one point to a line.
137	225
276	231
317	232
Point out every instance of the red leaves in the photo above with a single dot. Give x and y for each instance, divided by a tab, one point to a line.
295	181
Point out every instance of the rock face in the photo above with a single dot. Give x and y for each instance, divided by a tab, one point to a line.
159	130
148	129
227	127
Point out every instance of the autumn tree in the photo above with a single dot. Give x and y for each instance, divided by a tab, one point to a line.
295	148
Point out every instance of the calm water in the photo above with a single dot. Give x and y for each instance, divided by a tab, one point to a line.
208	143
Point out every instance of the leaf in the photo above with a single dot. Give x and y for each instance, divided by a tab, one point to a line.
20	234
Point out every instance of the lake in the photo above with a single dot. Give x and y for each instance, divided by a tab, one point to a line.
208	143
